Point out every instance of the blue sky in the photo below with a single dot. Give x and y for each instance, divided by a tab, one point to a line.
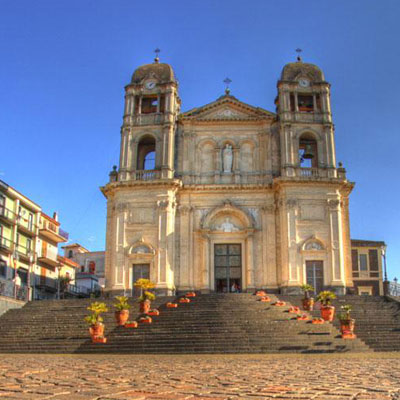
64	65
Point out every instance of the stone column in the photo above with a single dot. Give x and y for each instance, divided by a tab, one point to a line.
185	260
166	244
250	261
291	215
336	237
269	246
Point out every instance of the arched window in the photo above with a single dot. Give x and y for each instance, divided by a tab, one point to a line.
70	254
150	160
308	151
146	154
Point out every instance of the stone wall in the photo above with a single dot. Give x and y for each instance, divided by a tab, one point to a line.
7	303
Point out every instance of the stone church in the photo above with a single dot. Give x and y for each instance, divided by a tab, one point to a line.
228	195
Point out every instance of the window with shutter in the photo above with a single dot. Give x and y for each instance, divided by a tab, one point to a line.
373	260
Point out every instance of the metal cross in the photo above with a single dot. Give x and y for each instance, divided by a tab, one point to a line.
299	51
157	51
227	81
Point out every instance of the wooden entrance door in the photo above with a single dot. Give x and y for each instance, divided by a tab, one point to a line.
228	267
139	271
315	274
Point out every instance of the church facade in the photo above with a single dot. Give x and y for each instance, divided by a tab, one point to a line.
228	195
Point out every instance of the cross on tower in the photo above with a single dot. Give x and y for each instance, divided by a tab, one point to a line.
299	51
227	81
157	51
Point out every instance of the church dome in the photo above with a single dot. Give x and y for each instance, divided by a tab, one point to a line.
162	72
294	70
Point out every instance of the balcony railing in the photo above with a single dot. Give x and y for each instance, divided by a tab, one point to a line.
148	119
63	234
7	213
146	175
5	244
49	253
23	250
9	289
43	281
50	226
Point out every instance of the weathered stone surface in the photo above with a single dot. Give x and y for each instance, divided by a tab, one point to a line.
206	377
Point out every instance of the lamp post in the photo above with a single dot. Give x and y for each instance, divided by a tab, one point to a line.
59	266
395	287
29	275
16	258
385	279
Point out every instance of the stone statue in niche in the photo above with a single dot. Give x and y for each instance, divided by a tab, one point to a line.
227	226
227	157
313	246
141	250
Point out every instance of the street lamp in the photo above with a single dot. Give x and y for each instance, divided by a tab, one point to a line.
385	281
59	266
395	286
16	258
29	275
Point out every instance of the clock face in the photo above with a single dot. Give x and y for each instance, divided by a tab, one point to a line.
304	82
150	85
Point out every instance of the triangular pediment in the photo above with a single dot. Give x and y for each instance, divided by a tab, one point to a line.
227	108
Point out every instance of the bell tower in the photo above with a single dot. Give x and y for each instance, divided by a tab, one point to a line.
148	131
307	133
141	194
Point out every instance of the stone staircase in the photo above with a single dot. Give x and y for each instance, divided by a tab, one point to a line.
377	319
213	323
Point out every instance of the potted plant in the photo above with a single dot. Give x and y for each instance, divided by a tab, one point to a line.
346	322
308	301
122	307
327	310
146	297
95	321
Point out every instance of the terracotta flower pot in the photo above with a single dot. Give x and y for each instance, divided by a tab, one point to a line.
131	324
347	326
96	331
308	304
172	305
154	313
121	316
184	300
190	294
144	306
327	313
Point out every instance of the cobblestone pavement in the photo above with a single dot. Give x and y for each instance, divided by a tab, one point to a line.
206	377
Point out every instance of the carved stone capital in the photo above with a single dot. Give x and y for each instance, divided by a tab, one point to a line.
120	207
269	208
333	204
291	203
185	210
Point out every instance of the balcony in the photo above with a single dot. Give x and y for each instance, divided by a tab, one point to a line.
145	175
148	119
45	283
24	252
52	232
48	255
6	244
7	215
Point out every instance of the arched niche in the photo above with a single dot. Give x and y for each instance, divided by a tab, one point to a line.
206	156
246	158
227	218
313	245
